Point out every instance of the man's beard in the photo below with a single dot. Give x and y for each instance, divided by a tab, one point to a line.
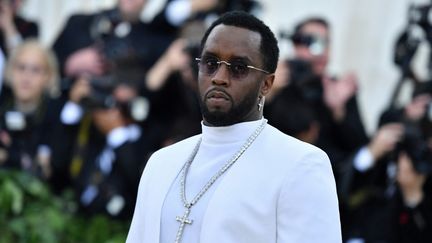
235	114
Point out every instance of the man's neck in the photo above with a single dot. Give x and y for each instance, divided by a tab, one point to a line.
223	124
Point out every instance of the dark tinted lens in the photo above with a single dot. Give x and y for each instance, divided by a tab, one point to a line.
209	65
239	69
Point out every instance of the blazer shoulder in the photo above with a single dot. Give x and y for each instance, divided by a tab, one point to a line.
288	146
184	146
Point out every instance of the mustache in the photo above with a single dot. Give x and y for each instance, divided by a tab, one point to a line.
217	93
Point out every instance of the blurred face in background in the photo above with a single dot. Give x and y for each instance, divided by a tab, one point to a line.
131	9
318	60
29	75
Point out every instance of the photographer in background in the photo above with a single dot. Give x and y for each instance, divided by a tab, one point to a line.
109	45
328	111
390	200
333	101
175	75
14	28
93	44
102	154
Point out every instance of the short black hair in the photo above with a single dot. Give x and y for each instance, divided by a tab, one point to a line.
311	20
268	47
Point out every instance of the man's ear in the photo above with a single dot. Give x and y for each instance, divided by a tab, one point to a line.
267	84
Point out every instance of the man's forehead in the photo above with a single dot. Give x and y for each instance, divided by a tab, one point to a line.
233	38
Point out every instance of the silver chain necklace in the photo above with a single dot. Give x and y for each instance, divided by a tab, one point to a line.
188	205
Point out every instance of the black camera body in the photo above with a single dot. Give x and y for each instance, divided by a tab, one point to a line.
418	30
305	80
101	93
117	41
415	145
417	134
101	97
317	45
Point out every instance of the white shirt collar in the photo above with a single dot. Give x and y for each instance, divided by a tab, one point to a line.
238	132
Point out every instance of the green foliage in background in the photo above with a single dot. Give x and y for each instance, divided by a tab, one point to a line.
30	213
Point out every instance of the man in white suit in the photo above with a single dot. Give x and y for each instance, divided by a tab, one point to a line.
241	180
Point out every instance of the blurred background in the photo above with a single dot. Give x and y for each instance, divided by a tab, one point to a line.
363	33
91	88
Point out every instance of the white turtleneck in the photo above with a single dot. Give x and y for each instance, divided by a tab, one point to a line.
218	146
281	190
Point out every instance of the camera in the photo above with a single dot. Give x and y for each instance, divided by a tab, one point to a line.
112	37
317	45
101	93
415	144
418	30
305	80
417	149
422	16
417	134
101	97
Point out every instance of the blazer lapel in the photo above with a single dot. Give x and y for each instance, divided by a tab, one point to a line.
167	173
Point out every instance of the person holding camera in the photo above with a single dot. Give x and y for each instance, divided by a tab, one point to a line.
326	110
108	37
31	74
332	101
390	200
103	151
176	70
112	42
334	98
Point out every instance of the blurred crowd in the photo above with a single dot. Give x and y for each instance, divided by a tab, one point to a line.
86	113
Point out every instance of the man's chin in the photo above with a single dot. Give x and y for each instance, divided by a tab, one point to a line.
218	118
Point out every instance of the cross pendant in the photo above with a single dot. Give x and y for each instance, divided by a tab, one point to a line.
183	221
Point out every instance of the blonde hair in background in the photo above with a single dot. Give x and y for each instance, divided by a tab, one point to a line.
53	87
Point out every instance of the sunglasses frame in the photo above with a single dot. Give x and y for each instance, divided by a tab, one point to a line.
218	62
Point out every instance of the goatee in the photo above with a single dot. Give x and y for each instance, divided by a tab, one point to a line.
236	114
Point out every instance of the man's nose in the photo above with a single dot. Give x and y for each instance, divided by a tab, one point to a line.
222	74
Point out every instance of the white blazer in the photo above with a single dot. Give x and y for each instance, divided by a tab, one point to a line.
281	190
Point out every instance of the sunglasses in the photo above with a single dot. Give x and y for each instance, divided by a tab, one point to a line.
237	69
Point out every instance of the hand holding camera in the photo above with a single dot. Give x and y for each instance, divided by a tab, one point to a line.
386	139
174	59
175	56
81	88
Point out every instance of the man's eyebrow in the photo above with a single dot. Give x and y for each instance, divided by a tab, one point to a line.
234	58
241	58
